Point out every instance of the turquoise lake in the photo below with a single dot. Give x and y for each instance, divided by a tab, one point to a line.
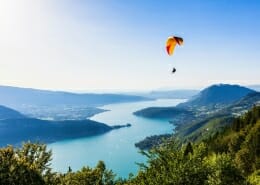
116	148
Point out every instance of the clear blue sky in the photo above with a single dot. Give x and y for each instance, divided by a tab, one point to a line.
120	45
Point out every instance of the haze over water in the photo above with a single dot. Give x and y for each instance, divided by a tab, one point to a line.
115	148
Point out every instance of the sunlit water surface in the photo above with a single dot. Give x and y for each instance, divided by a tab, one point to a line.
116	148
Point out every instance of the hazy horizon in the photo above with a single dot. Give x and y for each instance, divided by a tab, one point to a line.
120	45
252	86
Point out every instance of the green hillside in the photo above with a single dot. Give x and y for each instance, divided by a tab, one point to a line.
173	114
201	128
229	157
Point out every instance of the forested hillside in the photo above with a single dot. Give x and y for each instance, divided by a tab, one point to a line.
241	140
15	131
230	157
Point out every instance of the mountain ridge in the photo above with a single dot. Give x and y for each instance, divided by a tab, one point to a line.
200	105
217	94
7	113
16	128
17	96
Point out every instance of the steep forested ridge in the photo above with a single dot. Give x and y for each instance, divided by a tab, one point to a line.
241	140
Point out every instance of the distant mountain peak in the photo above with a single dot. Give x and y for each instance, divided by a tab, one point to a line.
218	94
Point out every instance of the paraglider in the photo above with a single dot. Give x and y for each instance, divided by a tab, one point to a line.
171	43
170	46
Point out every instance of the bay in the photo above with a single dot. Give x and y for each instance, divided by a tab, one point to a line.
116	148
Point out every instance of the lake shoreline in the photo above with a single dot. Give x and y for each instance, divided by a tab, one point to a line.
116	148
